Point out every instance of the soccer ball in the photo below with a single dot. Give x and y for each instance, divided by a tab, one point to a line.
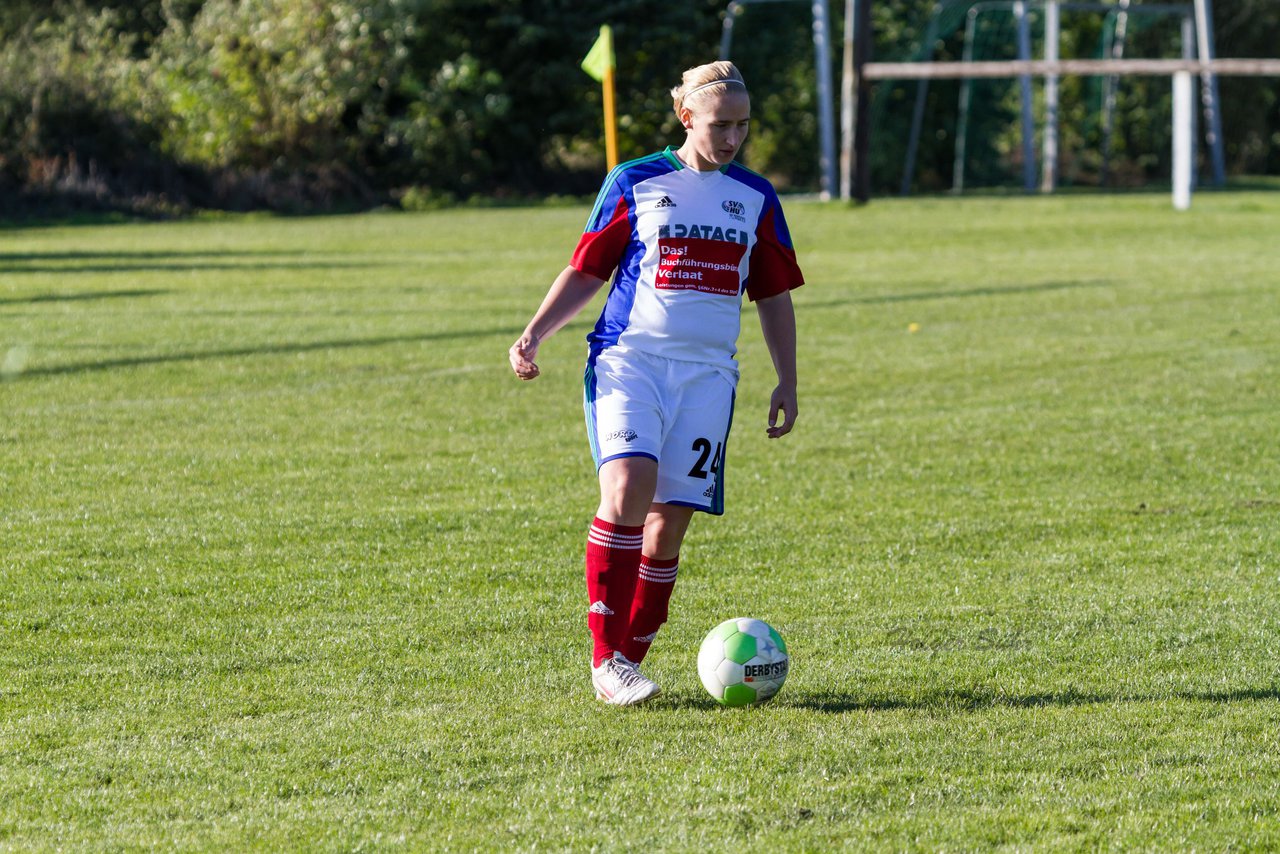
743	661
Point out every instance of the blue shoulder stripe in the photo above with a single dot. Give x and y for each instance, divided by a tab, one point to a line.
761	184
615	177
752	179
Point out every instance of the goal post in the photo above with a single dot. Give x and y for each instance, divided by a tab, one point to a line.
1182	113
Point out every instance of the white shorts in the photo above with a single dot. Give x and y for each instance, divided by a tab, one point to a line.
677	413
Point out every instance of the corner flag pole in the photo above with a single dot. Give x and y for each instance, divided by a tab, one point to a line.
610	121
599	64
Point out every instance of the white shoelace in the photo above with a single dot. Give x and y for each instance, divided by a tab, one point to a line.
627	673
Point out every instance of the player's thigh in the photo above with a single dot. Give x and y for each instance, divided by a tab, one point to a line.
627	486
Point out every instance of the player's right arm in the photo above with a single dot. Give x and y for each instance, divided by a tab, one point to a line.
569	294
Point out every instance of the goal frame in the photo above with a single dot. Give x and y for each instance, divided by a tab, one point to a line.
860	73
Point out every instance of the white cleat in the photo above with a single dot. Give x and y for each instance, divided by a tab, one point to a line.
619	682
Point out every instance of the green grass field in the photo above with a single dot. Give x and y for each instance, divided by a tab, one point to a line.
290	560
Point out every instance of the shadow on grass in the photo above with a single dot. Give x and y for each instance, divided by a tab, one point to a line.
961	701
967	293
265	350
974	701
140	254
82	297
169	260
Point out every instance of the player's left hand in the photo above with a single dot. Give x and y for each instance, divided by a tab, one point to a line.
782	400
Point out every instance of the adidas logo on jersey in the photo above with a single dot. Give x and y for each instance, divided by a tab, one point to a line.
598	607
665	202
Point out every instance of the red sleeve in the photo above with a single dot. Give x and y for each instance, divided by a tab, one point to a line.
599	252
774	269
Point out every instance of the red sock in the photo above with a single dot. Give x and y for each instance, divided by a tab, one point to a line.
613	560
649	608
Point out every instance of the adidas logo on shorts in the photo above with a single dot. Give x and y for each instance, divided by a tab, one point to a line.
665	202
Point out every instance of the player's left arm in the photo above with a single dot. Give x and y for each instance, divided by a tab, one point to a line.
778	323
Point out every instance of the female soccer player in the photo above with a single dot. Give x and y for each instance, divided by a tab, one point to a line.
688	231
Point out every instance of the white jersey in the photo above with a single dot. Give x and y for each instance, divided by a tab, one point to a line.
686	246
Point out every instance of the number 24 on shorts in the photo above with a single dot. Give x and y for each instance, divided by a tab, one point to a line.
703	447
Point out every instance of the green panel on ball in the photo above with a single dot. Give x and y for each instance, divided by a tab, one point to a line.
724	630
777	639
738	695
740	648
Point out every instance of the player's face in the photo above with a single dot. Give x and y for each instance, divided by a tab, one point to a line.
717	128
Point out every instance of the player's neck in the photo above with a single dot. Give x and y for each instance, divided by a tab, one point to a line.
690	158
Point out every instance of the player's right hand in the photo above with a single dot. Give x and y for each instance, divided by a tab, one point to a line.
522	354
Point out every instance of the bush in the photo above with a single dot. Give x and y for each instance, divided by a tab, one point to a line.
59	127
277	88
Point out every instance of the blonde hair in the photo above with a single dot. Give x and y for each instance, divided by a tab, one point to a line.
714	78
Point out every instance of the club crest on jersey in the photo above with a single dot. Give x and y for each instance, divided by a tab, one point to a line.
705	232
737	210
